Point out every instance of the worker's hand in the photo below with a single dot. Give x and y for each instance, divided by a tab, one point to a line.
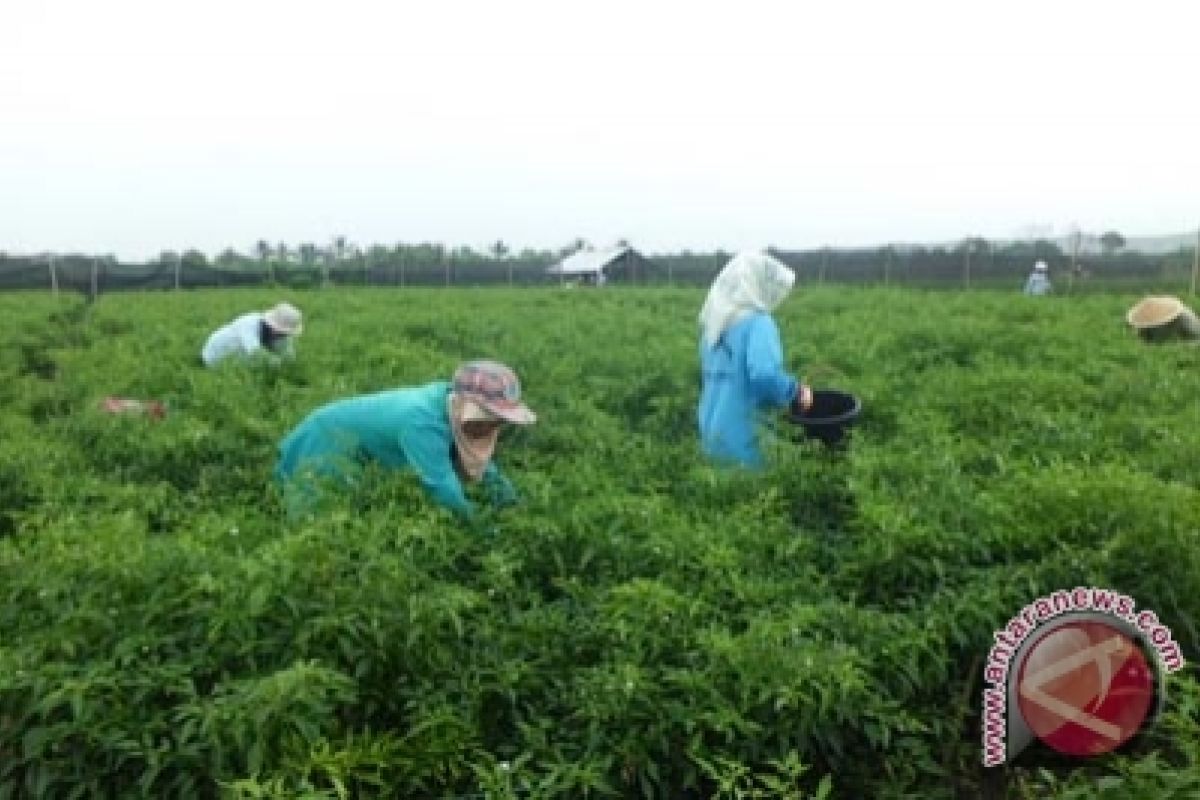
803	400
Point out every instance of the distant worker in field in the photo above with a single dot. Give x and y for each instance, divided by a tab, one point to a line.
1038	282
268	332
1161	319
445	432
741	357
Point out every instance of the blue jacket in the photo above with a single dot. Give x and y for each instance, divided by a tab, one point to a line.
400	429
741	375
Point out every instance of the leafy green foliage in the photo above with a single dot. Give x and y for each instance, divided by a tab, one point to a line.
642	624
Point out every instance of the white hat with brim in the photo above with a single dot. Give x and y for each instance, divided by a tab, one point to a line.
285	318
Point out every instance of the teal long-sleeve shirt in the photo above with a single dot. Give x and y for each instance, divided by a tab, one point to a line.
399	429
741	375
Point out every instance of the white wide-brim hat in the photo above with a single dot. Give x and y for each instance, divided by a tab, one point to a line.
286	319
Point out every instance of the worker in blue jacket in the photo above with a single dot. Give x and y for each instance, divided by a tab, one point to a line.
445	432
741	358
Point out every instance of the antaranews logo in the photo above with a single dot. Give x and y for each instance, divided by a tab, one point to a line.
1081	670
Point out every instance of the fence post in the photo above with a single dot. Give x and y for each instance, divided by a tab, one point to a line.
887	267
1074	262
446	264
967	266
53	276
824	265
1196	262
95	278
178	265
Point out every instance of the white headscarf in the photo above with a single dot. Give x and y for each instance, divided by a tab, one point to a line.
750	282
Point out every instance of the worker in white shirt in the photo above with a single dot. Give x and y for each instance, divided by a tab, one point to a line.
1038	282
257	332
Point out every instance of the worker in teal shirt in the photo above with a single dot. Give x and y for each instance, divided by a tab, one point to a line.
445	432
741	358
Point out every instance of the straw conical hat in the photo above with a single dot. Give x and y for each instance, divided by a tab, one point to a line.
1159	318
1153	312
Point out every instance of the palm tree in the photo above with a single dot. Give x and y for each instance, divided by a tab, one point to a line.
1111	242
263	249
228	257
335	253
499	251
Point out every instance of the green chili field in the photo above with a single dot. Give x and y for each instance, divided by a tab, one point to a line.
642	624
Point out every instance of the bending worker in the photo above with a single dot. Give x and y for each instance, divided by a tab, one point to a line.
444	432
257	332
1161	319
741	357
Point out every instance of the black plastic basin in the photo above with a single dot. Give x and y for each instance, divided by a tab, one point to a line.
832	412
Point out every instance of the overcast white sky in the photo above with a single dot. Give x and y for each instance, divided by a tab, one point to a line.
129	127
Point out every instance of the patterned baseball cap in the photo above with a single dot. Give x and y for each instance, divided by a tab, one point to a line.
494	387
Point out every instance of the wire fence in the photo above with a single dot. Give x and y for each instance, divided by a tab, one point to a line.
982	268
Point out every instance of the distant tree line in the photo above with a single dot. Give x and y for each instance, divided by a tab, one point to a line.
974	261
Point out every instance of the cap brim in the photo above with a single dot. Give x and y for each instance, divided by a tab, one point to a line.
473	412
517	414
286	331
